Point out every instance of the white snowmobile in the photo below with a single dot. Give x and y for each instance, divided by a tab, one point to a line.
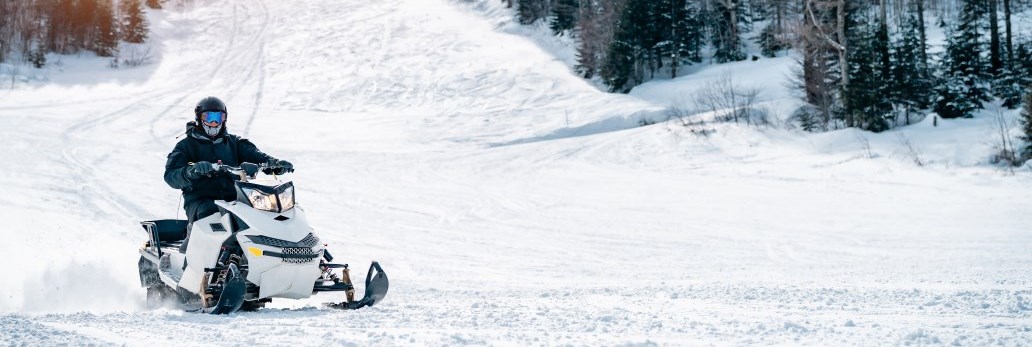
255	248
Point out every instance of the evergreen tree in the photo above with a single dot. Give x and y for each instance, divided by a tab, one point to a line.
134	22
867	97
565	16
1015	76
652	35
617	72
597	21
686	35
106	38
964	70
623	68
770	42
1026	126
911	87
37	50
529	11
727	27
820	76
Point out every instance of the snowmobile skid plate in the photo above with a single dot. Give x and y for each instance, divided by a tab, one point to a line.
232	296
376	285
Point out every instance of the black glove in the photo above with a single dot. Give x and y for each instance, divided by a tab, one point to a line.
278	167
199	169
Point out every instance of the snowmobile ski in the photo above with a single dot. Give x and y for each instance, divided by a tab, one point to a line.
375	289
232	295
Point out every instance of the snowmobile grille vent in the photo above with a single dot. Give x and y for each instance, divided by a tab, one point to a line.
306	251
308	242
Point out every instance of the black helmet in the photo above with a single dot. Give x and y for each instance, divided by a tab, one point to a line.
211	107
210	103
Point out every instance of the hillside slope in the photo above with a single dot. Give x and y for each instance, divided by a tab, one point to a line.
510	201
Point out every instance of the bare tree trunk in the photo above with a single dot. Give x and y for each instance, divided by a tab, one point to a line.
1007	20
675	51
733	21
840	9
884	35
884	14
995	60
921	29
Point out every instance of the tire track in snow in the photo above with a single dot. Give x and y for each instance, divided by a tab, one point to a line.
222	58
92	183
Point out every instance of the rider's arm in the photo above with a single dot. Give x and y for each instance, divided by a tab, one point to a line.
176	167
249	153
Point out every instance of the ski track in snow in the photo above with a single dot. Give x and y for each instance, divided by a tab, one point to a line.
510	202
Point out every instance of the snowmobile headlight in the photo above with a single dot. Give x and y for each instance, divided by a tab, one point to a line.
286	199
262	201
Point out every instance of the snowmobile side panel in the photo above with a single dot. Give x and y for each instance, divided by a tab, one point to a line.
203	252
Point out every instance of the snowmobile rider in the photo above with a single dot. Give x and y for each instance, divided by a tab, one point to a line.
189	166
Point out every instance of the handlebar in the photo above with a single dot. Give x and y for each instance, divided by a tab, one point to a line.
245	171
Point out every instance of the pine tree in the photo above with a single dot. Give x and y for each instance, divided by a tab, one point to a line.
727	28
821	77
134	22
623	68
617	72
597	21
686	35
1010	85
867	98
910	85
529	11
565	16
106	39
963	85
770	42
37	53
773	37
1026	126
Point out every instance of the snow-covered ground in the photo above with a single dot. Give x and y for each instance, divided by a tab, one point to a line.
511	202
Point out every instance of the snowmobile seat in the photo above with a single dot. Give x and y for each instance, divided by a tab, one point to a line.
166	230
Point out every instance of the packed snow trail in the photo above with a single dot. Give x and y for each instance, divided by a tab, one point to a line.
509	200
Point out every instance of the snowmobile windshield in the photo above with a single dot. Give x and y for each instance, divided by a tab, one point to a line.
272	199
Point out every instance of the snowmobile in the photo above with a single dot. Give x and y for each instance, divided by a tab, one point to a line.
256	248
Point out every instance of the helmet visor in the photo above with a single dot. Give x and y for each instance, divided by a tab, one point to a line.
213	118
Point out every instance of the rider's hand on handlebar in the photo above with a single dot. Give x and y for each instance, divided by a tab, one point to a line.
199	169
278	167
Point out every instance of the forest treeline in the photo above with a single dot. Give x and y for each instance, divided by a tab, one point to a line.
863	63
29	29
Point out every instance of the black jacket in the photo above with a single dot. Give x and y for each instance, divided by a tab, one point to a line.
197	146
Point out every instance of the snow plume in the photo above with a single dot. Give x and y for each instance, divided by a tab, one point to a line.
76	287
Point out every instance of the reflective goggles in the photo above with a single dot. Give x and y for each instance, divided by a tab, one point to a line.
213	118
